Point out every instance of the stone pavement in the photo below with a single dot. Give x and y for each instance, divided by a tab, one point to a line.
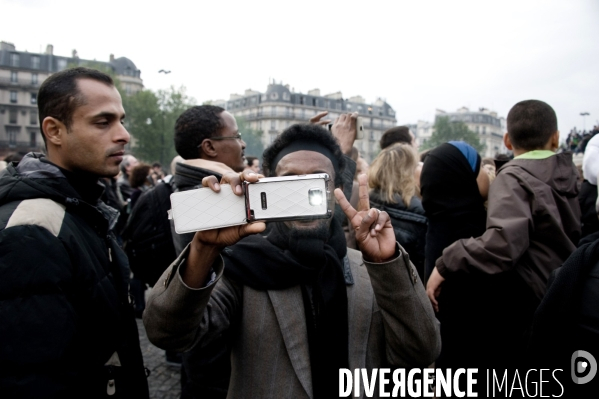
164	380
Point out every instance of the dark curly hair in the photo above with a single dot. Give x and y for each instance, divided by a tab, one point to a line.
303	132
195	125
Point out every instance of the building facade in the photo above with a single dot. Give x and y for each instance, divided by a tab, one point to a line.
279	107
22	73
489	127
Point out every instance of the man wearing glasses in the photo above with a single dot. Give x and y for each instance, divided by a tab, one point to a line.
208	140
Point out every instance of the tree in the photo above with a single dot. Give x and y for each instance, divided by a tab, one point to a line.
446	130
151	118
252	138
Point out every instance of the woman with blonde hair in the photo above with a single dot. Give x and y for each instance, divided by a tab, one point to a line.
394	190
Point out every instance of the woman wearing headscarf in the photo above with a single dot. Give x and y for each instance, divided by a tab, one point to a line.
394	189
454	188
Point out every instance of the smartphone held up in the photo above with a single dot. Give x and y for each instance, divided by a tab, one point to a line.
301	197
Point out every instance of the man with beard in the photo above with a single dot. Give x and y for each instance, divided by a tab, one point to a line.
297	305
209	141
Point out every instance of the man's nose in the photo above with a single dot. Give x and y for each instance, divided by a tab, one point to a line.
122	135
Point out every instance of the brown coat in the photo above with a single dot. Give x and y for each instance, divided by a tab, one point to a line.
533	223
391	324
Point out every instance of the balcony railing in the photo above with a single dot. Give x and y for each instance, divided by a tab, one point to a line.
18	82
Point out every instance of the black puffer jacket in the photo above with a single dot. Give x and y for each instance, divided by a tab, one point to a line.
409	225
66	326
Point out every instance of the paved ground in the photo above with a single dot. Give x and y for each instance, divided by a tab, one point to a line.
164	380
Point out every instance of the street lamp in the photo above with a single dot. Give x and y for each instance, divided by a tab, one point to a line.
584	115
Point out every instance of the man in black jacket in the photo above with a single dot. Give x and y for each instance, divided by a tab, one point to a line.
67	326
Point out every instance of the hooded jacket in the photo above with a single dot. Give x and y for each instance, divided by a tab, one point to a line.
533	223
66	325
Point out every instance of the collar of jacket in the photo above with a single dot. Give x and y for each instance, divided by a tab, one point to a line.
49	182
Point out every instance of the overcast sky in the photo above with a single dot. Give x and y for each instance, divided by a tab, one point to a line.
418	55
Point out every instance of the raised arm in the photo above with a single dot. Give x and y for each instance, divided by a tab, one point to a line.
509	220
411	329
178	314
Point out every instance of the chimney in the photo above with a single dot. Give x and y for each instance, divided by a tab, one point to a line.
111	57
50	49
75	55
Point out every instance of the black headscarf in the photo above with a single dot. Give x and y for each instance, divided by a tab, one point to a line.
279	261
451	200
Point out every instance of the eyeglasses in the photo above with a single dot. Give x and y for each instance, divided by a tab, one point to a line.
237	137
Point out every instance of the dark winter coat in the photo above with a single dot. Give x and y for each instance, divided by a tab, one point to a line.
66	325
409	225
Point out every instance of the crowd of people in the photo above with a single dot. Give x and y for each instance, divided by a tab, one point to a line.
577	142
433	259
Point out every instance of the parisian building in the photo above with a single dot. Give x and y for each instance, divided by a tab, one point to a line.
487	124
280	106
22	73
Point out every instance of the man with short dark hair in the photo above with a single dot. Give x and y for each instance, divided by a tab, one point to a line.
297	305
398	134
208	140
253	164
67	326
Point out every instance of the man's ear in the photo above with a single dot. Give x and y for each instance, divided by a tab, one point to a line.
507	142
54	130
207	149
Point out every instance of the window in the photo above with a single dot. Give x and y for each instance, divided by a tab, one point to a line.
14	60
272	125
12	132
14	76
61	64
484	130
314	102
33	98
35	62
12	116
13	96
302	100
34	78
32	139
33	117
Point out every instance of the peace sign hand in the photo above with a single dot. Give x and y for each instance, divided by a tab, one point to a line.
374	232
